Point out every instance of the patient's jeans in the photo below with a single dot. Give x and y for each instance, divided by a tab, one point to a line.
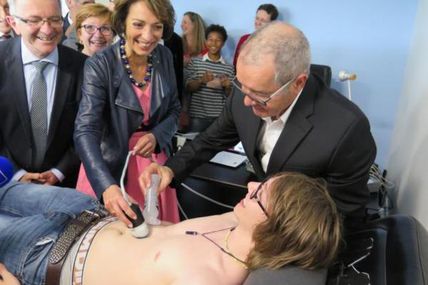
31	218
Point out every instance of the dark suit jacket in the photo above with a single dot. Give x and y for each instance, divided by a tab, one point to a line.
175	45
325	136
15	126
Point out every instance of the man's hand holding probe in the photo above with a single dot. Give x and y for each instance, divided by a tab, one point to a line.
165	174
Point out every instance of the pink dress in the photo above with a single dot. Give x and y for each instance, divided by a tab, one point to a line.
168	209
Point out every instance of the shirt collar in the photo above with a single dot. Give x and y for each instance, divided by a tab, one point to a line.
205	57
69	18
28	57
3	34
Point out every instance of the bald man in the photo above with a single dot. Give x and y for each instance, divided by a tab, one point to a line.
287	120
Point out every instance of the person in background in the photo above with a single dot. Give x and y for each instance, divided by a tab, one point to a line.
287	221
287	120
193	36
40	89
94	28
174	43
209	81
129	104
69	37
5	28
265	14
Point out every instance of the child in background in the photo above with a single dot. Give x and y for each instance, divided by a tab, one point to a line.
209	81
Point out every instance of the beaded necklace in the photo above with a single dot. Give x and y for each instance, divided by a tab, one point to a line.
224	249
127	66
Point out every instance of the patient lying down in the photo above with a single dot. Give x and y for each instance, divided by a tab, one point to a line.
289	219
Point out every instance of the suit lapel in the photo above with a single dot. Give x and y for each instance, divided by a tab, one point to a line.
64	82
253	125
16	87
295	130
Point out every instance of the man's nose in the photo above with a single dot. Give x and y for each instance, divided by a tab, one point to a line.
46	27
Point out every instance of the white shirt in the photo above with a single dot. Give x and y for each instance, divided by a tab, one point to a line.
205	57
270	132
10	34
50	73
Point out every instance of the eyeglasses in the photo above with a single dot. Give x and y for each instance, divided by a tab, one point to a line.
259	98
92	29
37	22
255	196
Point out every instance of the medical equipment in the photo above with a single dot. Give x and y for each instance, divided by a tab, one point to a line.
151	211
139	226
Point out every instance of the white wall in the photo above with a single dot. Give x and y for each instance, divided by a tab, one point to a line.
408	159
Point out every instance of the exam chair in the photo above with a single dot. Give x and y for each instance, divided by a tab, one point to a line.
322	71
388	251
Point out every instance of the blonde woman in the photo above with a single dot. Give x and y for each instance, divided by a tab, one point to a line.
193	36
94	28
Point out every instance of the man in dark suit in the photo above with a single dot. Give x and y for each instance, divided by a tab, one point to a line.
287	120
39	106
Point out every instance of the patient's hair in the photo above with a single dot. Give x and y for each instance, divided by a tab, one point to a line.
303	227
162	9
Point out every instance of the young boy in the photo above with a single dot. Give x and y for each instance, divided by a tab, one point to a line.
209	81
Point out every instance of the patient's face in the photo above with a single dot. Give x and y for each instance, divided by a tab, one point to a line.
252	209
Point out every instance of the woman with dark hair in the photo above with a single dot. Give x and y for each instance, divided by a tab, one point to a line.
288	220
265	13
129	104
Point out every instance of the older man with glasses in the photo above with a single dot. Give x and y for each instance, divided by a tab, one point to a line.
39	94
287	120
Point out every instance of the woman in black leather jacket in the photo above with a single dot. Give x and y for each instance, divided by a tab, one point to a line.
129	103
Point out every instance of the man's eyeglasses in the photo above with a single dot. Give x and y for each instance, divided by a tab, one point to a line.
92	29
259	98
255	196
37	22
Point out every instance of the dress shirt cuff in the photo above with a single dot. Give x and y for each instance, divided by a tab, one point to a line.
18	175
58	174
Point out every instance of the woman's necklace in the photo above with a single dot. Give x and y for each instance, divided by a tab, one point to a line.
125	61
226	243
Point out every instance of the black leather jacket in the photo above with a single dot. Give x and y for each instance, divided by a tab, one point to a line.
110	112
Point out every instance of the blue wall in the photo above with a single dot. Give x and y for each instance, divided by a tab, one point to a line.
369	38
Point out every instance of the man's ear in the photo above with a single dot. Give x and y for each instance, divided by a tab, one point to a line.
12	22
301	80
